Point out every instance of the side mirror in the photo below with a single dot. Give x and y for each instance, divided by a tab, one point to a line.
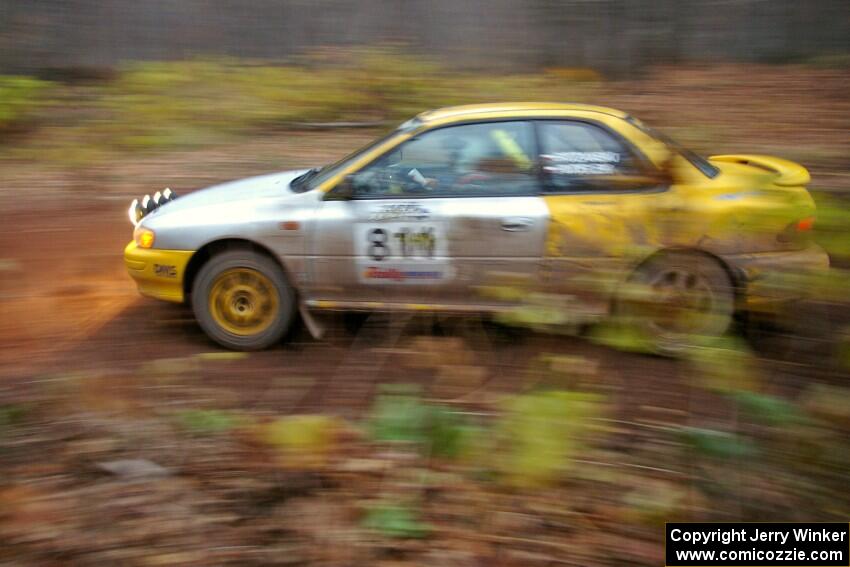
344	190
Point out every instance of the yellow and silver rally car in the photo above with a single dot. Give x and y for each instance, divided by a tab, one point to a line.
559	200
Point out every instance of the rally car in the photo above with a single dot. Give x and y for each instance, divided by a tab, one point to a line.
558	200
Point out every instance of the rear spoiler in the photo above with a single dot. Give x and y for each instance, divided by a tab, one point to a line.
789	174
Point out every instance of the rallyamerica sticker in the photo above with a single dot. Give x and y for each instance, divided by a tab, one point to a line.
401	274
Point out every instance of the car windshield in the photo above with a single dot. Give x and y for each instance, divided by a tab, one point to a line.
699	162
314	177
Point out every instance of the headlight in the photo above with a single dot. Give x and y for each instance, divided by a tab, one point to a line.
148	204
135	212
144	237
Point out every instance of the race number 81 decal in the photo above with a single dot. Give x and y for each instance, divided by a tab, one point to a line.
411	242
402	252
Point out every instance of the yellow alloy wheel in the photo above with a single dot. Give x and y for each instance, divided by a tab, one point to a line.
243	301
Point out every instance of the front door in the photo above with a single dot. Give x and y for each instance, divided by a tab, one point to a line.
435	219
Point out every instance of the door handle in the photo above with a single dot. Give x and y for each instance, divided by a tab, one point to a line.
517	224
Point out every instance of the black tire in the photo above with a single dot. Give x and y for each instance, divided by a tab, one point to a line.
271	281
699	313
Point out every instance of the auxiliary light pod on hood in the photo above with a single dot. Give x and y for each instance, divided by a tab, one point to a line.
140	209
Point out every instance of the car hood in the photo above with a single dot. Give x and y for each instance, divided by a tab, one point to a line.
258	187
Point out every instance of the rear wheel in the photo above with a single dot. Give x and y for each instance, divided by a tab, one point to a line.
678	299
242	300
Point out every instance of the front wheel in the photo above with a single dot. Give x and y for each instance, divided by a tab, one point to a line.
242	300
678	299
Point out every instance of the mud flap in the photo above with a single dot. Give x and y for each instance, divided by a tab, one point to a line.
314	325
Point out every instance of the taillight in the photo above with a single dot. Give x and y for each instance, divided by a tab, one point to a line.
806	224
797	232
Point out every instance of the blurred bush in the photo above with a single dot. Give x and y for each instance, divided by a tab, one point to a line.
771	445
204	422
401	416
532	441
180	103
833	226
303	441
172	104
542	433
20	99
396	520
830	61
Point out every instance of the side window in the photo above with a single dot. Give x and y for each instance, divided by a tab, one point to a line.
470	160
577	156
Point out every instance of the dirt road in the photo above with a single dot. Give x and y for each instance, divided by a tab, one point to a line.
68	306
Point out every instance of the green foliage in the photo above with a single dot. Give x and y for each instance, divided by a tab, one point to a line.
402	84
622	334
766	409
448	432
452	436
541	433
158	105
185	103
11	415
396	521
20	97
726	368
205	422
830	61
717	444
180	103
544	312
538	317
832	229
400	415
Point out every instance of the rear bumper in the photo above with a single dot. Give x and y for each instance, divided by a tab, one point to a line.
157	273
774	277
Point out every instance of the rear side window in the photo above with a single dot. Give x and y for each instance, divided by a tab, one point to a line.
577	156
699	162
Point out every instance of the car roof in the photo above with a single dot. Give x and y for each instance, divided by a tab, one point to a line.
505	109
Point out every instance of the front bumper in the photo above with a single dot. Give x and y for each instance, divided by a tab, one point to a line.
777	277
158	273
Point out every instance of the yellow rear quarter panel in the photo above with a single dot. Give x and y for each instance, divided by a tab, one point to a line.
594	240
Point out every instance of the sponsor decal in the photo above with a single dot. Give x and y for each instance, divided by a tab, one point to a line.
581	163
400	212
402	252
400	275
736	196
165	270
